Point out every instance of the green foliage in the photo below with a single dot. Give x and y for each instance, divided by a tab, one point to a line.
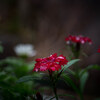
83	80
69	64
90	67
93	67
10	71
1	49
70	82
81	76
27	78
12	87
16	67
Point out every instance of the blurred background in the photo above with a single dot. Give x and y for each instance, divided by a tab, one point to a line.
46	23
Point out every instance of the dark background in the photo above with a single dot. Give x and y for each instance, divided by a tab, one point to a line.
46	23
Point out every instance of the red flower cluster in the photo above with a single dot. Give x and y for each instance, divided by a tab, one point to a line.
78	39
51	63
99	50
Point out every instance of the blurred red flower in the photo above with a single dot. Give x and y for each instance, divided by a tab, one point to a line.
51	63
78	39
98	50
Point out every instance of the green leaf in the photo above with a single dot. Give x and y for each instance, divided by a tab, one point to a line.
69	64
93	67
71	72
27	78
69	81
31	65
1	49
97	67
83	80
82	71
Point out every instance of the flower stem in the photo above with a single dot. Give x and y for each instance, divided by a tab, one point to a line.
81	97
53	85
55	91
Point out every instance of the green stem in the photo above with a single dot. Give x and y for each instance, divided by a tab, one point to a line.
55	91
53	85
81	96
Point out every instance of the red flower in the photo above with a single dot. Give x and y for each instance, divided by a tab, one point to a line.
98	50
78	39
51	63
